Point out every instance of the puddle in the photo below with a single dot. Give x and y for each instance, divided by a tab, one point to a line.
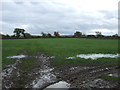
46	78
8	71
18	56
60	84
46	75
45	72
7	74
71	58
24	56
73	69
95	56
114	75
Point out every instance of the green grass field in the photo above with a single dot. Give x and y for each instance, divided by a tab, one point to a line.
60	48
110	77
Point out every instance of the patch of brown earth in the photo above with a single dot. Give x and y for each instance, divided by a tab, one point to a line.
14	76
78	76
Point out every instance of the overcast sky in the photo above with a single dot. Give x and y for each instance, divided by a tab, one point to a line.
64	16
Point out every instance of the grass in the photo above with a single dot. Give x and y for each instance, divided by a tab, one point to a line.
60	48
28	64
100	61
110	77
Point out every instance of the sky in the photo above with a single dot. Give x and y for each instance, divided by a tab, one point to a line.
63	16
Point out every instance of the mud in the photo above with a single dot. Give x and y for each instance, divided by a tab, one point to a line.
80	75
98	83
46	76
8	71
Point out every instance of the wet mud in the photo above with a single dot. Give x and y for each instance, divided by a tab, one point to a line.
86	77
46	76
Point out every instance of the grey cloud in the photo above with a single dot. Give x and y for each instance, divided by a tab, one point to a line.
34	3
18	2
110	14
53	16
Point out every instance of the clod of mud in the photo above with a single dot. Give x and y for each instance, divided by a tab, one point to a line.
95	56
98	83
8	71
60	84
82	75
46	75
76	76
44	72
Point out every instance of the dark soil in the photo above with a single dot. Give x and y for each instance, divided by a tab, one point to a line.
84	77
78	76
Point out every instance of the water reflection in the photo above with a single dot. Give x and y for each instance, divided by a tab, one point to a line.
95	56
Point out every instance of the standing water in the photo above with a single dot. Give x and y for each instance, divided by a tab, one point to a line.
60	84
95	56
46	76
18	56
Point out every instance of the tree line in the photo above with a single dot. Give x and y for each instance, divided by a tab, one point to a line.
21	34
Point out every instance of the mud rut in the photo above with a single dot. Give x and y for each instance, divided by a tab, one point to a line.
76	76
79	77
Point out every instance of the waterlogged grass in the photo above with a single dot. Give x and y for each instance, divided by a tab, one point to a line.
99	61
60	48
28	64
110	77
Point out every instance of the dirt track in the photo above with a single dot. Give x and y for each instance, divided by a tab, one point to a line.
78	76
82	75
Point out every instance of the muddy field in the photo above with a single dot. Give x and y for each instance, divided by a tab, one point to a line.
45	75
